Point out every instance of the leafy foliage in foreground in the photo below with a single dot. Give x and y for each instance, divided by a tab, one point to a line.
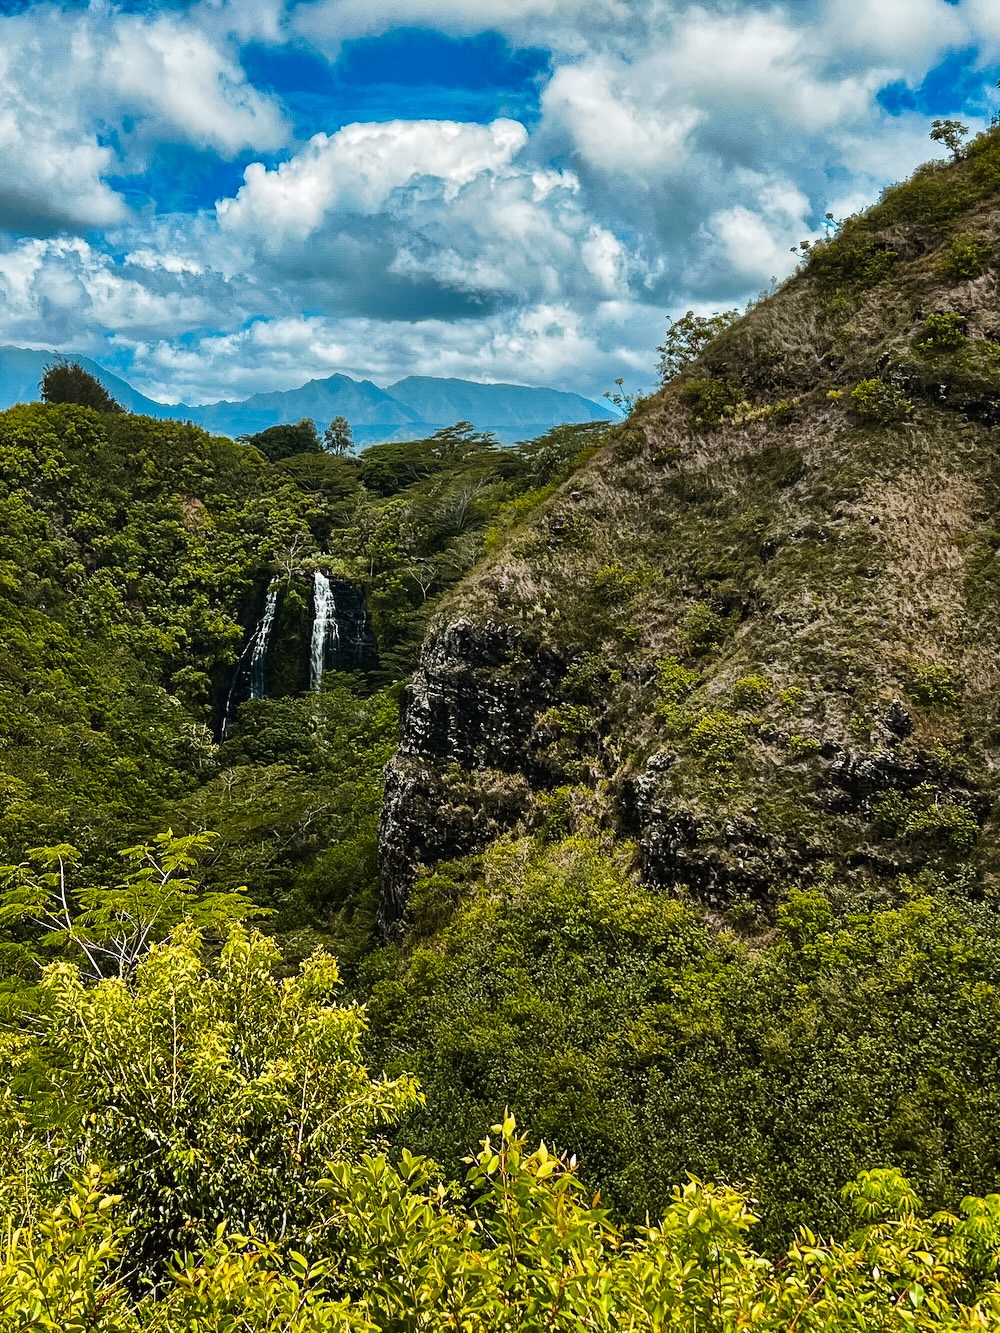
214	1092
228	1115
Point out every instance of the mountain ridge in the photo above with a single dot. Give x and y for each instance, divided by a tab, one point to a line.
411	408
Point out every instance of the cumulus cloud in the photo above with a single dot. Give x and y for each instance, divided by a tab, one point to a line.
356	170
175	75
62	289
85	94
543	345
683	146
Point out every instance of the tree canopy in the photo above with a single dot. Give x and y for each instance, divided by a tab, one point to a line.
68	382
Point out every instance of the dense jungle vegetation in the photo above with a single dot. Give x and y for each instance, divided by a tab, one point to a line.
682	1010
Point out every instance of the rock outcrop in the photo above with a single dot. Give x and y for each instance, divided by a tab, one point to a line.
463	772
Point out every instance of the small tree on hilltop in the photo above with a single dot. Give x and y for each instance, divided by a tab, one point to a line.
68	382
950	133
687	337
337	438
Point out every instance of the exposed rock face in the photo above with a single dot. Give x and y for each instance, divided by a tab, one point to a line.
736	859
354	647
461	775
772	599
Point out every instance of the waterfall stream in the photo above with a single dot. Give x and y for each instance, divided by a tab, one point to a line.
325	629
262	635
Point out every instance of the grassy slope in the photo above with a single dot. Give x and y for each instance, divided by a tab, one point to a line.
845	562
767	622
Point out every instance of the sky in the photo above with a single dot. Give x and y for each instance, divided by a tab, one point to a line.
216	197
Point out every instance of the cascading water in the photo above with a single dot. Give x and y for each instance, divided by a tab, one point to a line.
325	629
257	648
261	637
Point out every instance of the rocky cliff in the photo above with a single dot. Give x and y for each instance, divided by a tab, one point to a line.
758	634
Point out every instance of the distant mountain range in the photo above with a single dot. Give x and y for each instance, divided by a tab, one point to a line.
408	410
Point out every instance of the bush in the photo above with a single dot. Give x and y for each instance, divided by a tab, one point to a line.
803	745
701	628
68	382
942	333
711	402
676	682
966	258
751	692
614	585
214	1092
933	684
719	738
884	404
924	817
526	1250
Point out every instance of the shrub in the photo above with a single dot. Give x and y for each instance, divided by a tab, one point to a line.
802	745
68	382
853	259
615	585
923	816
751	692
876	401
966	258
933	684
711	402
676	682
942	333
701	628
215	1092
719	737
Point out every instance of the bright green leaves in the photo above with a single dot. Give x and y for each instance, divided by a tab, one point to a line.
113	926
214	1092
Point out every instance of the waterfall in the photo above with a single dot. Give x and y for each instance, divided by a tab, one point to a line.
257	648
258	652
325	628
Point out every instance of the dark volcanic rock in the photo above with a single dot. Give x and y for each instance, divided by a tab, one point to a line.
461	775
718	861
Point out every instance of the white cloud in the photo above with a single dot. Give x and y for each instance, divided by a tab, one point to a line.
751	246
613	123
547	344
72	83
63	289
330	21
356	169
173	73
684	145
50	171
902	33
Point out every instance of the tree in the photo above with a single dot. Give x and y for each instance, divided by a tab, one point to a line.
687	337
523	1250
950	133
286	440
337	438
214	1091
68	382
114	927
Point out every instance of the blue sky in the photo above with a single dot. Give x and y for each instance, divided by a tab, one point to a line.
217	196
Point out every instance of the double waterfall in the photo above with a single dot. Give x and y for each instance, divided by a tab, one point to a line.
339	637
325	629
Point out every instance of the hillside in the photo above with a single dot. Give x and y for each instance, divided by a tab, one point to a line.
746	660
412	409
